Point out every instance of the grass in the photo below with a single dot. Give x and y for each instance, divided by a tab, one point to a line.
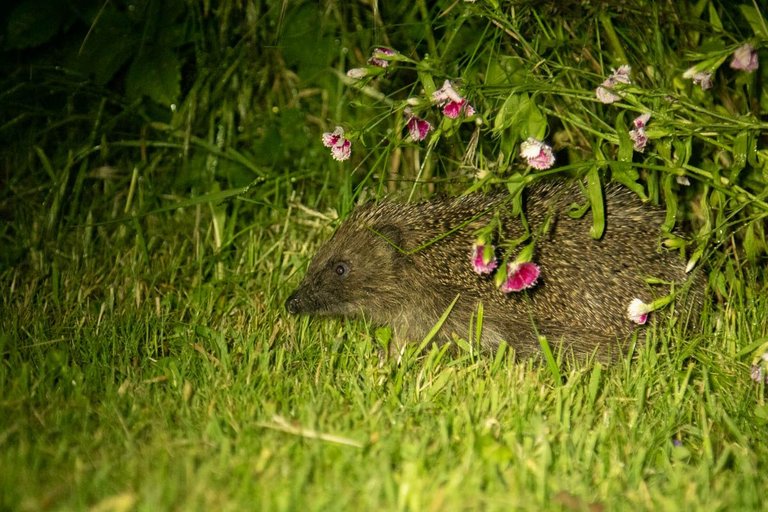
148	384
146	359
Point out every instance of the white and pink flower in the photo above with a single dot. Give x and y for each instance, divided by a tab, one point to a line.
605	92
641	121
745	59
453	104
700	78
759	365
379	56
637	134
417	127
757	374
537	153
638	311
341	147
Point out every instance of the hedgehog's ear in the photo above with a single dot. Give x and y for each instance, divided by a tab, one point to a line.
390	234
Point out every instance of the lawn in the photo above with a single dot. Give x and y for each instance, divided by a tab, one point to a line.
164	185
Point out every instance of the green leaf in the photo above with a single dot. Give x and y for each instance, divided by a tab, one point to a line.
683	151
622	170
479	324
35	22
436	328
595	192
427	82
505	71
671	199
515	185
754	242
740	146
554	368
594	384
664	149
755	20
626	147
383	336
761	414
505	116
537	122
520	114
110	42
714	18
577	211
155	73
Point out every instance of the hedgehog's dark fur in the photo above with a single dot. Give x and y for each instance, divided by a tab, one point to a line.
580	301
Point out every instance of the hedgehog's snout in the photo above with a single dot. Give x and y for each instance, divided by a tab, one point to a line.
294	304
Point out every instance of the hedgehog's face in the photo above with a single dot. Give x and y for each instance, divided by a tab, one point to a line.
354	272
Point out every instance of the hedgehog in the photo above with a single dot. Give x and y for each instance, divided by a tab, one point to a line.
407	265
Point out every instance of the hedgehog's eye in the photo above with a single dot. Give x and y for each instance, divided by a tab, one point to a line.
341	269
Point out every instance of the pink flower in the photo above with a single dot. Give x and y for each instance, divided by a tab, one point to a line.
637	134
520	276
378	53
605	92
639	139
453	104
417	127
453	109
641	121
745	59
638	311
538	154
341	148
483	258
701	78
